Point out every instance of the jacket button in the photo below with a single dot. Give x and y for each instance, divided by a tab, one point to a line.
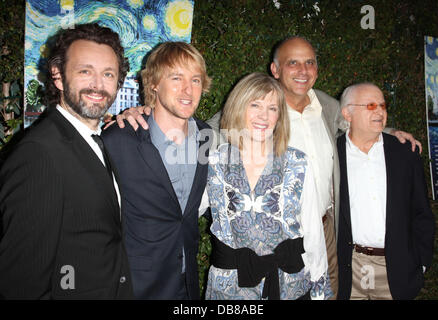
122	279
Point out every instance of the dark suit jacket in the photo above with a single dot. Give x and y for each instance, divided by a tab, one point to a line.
61	224
156	229
410	224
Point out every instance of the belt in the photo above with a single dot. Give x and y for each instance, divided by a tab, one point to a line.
324	218
252	268
369	250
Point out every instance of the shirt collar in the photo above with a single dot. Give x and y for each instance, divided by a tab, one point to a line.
83	129
158	136
313	109
352	146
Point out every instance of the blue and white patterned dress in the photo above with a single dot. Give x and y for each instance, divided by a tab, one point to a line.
281	206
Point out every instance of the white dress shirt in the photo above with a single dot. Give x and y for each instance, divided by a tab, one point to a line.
86	133
308	134
367	190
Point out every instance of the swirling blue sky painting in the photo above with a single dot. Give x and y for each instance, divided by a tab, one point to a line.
431	70
141	24
431	86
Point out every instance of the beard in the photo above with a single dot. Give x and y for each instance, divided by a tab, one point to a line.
91	110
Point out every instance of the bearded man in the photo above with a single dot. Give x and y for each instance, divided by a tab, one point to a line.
59	198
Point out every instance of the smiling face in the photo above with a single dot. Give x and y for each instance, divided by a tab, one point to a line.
296	68
261	117
178	92
366	123
89	86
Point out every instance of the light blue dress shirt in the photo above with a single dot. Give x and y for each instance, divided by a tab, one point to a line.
180	160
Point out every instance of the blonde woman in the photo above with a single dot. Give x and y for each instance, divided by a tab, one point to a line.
268	240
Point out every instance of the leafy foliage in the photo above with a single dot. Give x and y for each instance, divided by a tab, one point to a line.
11	67
10	110
11	40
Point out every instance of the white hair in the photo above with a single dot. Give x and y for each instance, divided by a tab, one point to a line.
347	97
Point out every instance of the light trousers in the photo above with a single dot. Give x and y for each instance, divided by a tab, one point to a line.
370	281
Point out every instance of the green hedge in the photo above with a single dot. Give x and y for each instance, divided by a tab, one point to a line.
11	67
11	40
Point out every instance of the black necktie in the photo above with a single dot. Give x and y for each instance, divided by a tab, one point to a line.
99	142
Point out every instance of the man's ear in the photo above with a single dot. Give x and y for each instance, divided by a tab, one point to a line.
274	70
346	113
57	78
155	87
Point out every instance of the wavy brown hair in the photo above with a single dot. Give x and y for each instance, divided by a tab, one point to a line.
65	37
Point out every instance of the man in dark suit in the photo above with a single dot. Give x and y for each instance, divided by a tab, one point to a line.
163	173
60	215
386	227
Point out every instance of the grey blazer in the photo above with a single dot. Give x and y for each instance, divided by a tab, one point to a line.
335	125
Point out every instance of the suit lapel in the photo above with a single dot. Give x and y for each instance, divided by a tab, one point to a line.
327	127
88	159
152	158
327	114
345	213
200	177
95	168
390	162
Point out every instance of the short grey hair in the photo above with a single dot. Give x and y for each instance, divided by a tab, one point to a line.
347	96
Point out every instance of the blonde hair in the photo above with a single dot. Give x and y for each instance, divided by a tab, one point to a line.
252	87
169	55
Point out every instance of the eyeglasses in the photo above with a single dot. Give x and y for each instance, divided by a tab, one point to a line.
371	105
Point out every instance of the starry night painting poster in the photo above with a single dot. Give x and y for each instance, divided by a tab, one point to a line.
431	86
141	25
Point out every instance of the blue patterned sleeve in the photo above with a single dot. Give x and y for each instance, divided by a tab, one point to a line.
321	289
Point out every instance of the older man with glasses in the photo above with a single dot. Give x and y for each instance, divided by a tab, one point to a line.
386	227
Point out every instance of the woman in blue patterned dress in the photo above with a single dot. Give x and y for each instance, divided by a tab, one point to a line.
268	239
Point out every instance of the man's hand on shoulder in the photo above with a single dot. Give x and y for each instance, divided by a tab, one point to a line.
134	117
406	136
